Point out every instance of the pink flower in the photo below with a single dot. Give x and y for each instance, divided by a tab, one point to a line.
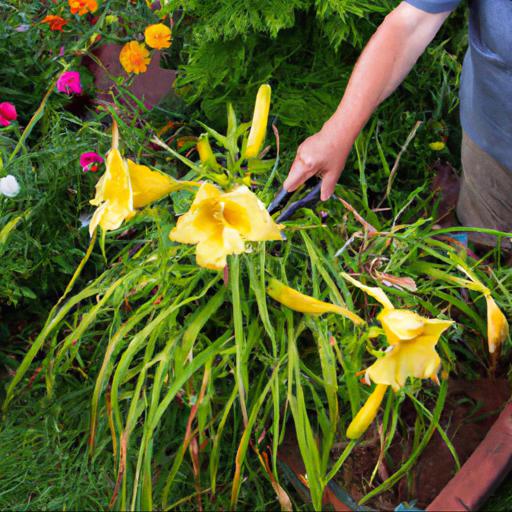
69	83
89	161
7	113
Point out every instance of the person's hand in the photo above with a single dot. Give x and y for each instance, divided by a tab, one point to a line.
324	155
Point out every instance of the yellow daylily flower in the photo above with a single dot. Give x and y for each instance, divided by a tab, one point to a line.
220	223
416	358
497	324
367	413
305	304
412	353
259	122
126	186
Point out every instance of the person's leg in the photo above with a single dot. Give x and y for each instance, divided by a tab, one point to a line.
485	198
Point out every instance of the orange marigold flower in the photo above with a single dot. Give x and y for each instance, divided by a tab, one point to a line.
158	36
82	7
134	57
54	22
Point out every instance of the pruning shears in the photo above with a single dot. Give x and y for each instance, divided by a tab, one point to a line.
314	185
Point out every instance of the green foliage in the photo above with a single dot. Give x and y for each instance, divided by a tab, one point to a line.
44	459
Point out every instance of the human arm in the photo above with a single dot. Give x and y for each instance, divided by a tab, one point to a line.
386	60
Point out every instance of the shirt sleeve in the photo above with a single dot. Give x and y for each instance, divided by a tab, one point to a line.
434	6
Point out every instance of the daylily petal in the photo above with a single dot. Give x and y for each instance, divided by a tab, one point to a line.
198	224
497	325
416	358
235	216
100	192
435	327
149	185
206	191
367	413
401	324
116	186
373	291
305	304
212	253
259	226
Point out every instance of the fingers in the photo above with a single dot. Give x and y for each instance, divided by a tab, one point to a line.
329	181
300	172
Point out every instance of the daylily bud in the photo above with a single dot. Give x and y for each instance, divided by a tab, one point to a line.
205	152
367	413
305	304
259	122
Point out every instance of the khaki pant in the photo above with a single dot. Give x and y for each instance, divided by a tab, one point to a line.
485	198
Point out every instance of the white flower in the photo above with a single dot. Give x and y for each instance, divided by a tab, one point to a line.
9	186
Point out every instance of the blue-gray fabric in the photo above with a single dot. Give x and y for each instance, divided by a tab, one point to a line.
486	81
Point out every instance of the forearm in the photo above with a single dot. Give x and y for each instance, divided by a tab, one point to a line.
385	62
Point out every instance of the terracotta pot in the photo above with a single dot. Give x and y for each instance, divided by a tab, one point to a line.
478	478
482	472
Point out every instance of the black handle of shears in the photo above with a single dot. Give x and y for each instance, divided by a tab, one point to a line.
312	197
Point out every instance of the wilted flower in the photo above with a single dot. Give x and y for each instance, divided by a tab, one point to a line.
158	36
82	7
7	113
56	23
134	57
9	186
69	83
305	304
497	324
220	223
89	160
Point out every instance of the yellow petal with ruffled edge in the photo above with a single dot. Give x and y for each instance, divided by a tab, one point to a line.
305	304
212	253
258	224
373	291
117	180
497	325
415	358
367	413
149	185
114	191
198	224
100	186
401	324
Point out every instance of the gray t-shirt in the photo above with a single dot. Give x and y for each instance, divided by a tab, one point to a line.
486	81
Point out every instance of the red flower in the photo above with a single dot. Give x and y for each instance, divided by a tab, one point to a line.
54	22
7	113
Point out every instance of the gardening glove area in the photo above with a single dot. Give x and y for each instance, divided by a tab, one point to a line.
180	332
